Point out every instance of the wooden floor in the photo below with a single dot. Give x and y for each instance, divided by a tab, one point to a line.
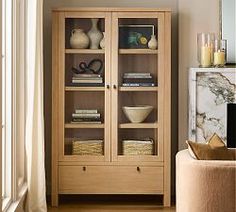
107	204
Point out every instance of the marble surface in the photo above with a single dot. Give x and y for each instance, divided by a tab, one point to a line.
209	92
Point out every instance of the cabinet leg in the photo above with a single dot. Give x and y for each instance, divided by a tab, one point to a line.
166	200
54	200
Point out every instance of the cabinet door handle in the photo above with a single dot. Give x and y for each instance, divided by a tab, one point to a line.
84	168
108	86
114	86
138	169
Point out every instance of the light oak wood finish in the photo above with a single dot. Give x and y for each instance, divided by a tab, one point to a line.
85	51
110	180
113	172
138	125
137	51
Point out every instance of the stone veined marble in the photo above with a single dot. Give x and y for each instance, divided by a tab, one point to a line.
210	91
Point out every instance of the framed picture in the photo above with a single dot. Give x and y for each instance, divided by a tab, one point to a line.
135	36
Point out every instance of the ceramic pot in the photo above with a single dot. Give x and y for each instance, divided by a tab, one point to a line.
102	42
78	39
137	113
152	44
94	34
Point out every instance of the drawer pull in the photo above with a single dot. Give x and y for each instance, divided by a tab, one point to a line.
138	169
108	86
114	86
84	168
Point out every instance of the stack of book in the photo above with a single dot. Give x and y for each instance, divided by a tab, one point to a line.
87	79
138	80
86	117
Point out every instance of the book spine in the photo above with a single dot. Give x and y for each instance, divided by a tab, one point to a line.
86	115
137	77
86	81
137	74
86	122
85	119
86	75
138	84
86	78
86	111
138	81
88	84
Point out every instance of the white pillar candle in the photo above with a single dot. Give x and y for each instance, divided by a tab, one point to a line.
206	53
219	58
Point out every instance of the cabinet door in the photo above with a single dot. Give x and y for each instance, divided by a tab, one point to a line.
84	100
137	86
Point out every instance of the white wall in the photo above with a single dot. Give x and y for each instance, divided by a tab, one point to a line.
194	16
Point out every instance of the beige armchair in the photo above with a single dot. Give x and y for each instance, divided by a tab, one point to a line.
204	185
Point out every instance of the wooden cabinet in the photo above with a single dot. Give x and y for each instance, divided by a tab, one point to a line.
111	171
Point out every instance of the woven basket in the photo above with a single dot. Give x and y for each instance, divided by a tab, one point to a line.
87	147
137	147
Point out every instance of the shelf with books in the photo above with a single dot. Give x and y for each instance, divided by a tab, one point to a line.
137	51
138	125
84	51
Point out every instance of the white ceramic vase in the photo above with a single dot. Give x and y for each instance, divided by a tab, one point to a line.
102	42
78	39
152	44
94	34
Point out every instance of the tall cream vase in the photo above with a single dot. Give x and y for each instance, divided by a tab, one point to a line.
94	34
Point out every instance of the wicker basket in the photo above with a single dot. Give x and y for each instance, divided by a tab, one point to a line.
87	147
137	147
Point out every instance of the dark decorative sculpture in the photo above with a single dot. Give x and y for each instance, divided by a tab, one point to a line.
95	66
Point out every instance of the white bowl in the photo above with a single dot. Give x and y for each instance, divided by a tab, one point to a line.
137	113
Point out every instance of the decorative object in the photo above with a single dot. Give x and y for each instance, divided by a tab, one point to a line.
210	90
87	147
205	43
152	44
220	52
102	42
137	147
94	34
95	66
135	36
78	39
215	149
137	113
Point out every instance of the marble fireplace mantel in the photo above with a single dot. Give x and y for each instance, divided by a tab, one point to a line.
210	89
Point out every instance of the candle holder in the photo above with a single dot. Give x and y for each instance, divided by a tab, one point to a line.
205	43
220	51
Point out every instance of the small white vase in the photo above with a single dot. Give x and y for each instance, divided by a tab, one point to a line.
152	44
102	42
78	39
94	34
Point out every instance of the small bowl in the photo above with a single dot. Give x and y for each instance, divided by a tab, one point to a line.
137	113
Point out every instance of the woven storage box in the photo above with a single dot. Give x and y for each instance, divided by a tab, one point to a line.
87	147
137	147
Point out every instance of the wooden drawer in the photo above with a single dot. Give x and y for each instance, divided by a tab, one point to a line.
110	180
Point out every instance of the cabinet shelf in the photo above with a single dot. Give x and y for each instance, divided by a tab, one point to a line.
138	88
85	51
72	88
138	125
137	51
77	126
